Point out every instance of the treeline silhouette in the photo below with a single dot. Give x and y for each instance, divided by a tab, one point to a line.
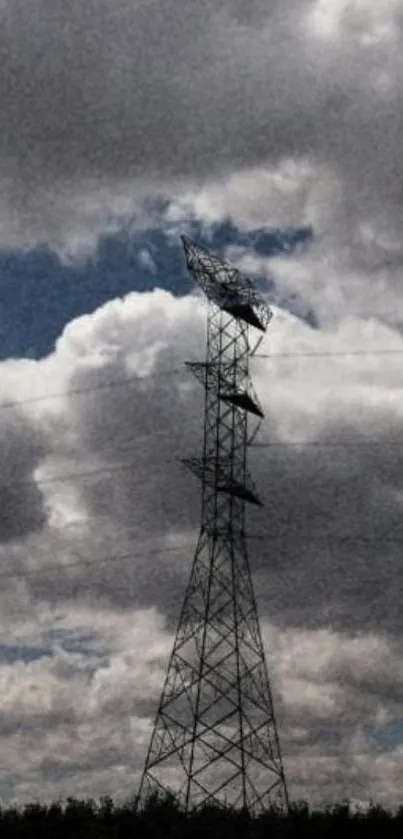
162	818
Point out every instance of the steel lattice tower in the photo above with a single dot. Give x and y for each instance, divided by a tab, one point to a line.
215	738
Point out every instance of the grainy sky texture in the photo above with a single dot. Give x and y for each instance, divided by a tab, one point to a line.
148	116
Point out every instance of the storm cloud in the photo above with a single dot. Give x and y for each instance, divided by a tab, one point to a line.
22	448
104	103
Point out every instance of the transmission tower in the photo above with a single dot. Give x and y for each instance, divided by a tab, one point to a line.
215	737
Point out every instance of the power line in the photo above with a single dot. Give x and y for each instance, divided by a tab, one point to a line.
176	371
335	541
328	354
347	444
83	390
123	467
80	561
71	476
64	477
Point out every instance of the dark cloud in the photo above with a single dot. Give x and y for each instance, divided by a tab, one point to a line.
95	97
22	505
331	529
111	90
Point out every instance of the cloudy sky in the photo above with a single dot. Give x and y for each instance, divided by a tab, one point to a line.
271	131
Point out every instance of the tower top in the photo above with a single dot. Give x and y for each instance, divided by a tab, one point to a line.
226	286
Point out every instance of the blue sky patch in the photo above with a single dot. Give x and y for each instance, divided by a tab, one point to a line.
388	737
41	293
9	654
